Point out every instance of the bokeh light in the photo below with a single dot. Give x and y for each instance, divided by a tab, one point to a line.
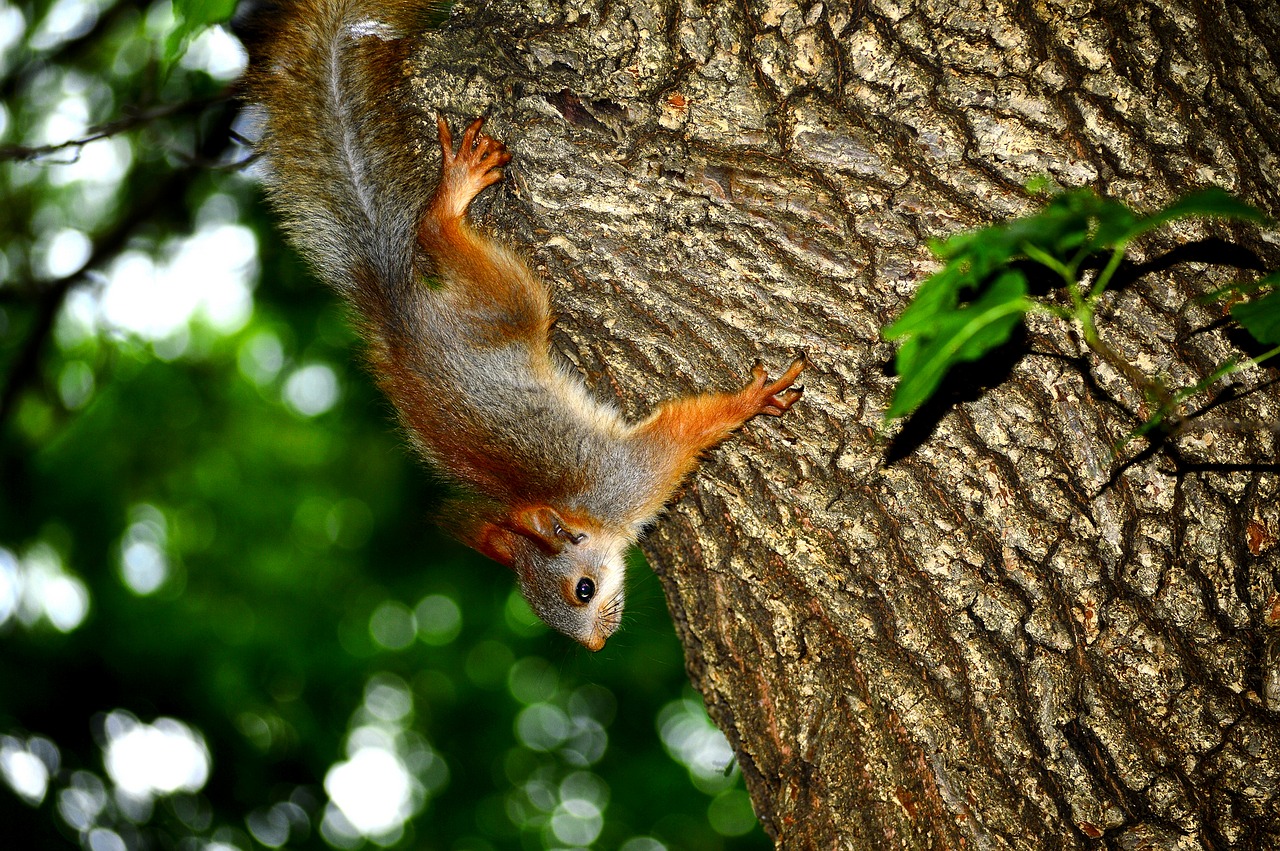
389	774
217	54
12	26
147	760
206	275
82	801
439	619
532	680
66	19
697	744
261	357
373	791
642	843
104	839
576	821
38	588
273	826
312	389
730	813
76	384
144	566
10	585
393	625
64	252
542	726
27	766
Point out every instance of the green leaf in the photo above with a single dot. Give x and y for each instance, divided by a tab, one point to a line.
1214	202
1072	226
1043	184
963	334
937	296
935	332
191	16
1261	317
1056	233
1243	287
1116	225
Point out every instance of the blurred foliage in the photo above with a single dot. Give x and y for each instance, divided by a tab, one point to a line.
206	515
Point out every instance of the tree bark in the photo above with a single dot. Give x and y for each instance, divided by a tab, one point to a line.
984	629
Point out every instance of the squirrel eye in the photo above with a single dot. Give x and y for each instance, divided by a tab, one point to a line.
585	590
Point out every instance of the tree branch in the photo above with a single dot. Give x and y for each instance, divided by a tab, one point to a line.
124	124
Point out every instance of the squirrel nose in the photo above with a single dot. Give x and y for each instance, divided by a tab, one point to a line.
594	642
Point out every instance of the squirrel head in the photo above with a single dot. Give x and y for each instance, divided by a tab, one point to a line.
571	574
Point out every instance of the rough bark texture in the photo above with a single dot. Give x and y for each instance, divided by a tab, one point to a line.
984	631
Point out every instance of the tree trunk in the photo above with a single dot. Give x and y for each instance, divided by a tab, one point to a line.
983	630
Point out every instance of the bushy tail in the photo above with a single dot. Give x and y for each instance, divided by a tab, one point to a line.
349	184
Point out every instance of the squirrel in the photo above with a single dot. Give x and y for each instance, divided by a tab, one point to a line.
543	477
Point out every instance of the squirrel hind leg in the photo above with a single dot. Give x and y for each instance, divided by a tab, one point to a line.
465	173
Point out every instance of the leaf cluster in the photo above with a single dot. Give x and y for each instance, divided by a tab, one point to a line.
981	294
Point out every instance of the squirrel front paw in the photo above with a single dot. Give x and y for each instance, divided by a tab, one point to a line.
465	173
775	397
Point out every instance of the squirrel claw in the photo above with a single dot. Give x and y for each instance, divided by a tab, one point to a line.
464	173
775	398
779	403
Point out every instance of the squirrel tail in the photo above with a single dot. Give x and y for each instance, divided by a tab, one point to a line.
349	188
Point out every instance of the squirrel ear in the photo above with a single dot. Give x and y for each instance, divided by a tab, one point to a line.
497	543
545	527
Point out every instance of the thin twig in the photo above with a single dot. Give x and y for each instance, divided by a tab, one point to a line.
124	124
